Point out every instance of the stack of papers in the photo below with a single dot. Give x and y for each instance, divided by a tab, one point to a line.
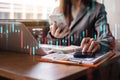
60	57
56	48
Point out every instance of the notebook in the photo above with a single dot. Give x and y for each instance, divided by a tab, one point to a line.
14	36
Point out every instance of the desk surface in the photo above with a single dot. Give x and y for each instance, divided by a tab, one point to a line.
22	66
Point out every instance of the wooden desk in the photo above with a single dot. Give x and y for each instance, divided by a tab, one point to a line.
19	66
22	66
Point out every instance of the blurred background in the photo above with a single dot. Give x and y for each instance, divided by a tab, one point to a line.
34	15
113	11
40	9
26	9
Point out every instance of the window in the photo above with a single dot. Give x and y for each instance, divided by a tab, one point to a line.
17	16
4	15
26	9
39	16
29	16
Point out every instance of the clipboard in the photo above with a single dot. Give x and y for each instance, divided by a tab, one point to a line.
66	61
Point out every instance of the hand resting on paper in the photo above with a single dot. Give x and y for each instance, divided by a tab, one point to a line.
88	48
89	45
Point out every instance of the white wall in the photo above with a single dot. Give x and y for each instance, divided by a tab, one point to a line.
113	14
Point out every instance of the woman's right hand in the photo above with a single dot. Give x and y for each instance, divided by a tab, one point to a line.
59	31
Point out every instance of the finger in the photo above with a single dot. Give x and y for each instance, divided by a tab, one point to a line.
64	34
84	41
68	32
86	44
60	25
53	28
95	49
92	45
58	30
85	48
91	39
66	29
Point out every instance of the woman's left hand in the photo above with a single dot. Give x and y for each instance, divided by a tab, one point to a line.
89	45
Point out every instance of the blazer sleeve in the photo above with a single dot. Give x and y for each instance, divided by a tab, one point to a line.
104	35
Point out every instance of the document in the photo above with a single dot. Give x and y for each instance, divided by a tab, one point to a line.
65	49
60	57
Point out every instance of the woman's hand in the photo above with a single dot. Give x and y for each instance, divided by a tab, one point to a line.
59	31
89	45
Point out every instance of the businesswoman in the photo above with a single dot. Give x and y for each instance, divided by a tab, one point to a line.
87	26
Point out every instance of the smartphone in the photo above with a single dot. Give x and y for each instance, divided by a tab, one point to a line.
59	18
